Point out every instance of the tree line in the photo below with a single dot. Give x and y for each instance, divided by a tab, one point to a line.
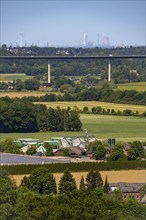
37	198
126	70
19	116
103	111
134	151
80	93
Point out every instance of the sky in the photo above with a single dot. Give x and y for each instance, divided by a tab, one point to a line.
63	22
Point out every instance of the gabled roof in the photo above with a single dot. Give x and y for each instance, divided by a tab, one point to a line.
25	148
126	146
128	187
76	150
41	149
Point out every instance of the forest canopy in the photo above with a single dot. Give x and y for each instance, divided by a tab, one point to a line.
19	116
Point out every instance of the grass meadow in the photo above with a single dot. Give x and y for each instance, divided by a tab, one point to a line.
102	126
138	86
9	77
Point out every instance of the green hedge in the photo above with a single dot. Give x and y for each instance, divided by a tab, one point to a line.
77	167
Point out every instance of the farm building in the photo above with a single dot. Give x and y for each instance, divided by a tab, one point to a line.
27	141
128	189
67	142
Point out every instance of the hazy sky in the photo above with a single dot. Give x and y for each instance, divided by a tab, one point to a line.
63	23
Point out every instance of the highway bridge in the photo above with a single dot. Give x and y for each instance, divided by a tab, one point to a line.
74	57
49	58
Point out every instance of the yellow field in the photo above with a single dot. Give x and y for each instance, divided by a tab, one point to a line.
73	104
129	176
22	94
90	104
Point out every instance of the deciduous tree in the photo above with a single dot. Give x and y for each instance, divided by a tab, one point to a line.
41	181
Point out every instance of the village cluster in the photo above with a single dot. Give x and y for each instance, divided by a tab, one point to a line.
77	146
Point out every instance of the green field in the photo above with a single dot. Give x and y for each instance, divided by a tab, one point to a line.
9	77
138	86
103	127
90	104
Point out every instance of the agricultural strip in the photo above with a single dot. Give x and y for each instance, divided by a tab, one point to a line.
129	176
102	126
90	104
27	94
138	86
9	77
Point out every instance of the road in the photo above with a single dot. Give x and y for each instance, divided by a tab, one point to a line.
11	159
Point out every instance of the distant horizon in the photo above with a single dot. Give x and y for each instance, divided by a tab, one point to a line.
10	45
62	23
66	47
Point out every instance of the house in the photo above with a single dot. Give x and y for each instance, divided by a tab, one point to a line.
126	148
41	149
76	151
66	142
63	142
128	189
91	153
108	150
58	152
25	148
79	142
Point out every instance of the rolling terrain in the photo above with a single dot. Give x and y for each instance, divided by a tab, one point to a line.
102	126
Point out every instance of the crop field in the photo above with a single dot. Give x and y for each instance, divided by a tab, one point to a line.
129	176
90	104
27	94
102	126
138	86
9	77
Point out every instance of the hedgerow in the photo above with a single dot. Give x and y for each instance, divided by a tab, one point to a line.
76	167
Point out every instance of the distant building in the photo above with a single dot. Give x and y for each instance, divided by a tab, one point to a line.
85	40
106	42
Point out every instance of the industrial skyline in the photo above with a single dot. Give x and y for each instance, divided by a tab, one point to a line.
63	22
103	42
98	43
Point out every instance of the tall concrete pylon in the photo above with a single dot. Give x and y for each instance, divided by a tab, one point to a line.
109	72
49	75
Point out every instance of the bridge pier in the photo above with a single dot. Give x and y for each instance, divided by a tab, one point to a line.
109	72
49	75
